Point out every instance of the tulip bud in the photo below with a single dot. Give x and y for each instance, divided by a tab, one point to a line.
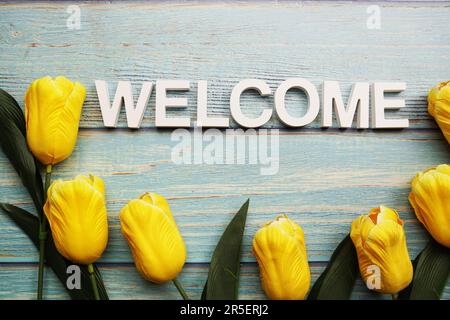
152	234
430	198
439	107
279	247
52	113
77	216
380	243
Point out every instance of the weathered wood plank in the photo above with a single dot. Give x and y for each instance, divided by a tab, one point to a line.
326	179
226	42
123	282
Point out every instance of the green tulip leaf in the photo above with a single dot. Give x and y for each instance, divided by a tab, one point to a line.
337	280
223	276
29	223
431	272
14	144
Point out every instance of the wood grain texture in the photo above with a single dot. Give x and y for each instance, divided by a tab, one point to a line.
224	43
124	282
326	177
325	181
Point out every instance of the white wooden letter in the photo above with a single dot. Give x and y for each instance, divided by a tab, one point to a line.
235	104
313	98
163	102
379	104
124	91
202	109
331	97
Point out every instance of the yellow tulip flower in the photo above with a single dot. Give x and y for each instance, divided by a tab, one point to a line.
279	247
383	257
430	198
52	114
156	244
77	215
439	107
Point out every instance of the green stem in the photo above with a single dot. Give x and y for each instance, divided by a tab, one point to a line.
43	236
180	289
93	281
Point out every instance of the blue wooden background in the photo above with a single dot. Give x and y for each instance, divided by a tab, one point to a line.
327	177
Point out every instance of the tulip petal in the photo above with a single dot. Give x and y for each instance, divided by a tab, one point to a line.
52	111
280	250
430	199
77	216
156	244
383	245
439	107
158	201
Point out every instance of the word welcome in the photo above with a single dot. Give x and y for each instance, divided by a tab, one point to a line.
358	102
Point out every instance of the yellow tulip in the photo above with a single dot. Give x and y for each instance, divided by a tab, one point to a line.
77	216
439	107
52	113
279	247
380	243
430	198
156	244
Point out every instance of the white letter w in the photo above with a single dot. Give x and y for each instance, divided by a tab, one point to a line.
111	114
